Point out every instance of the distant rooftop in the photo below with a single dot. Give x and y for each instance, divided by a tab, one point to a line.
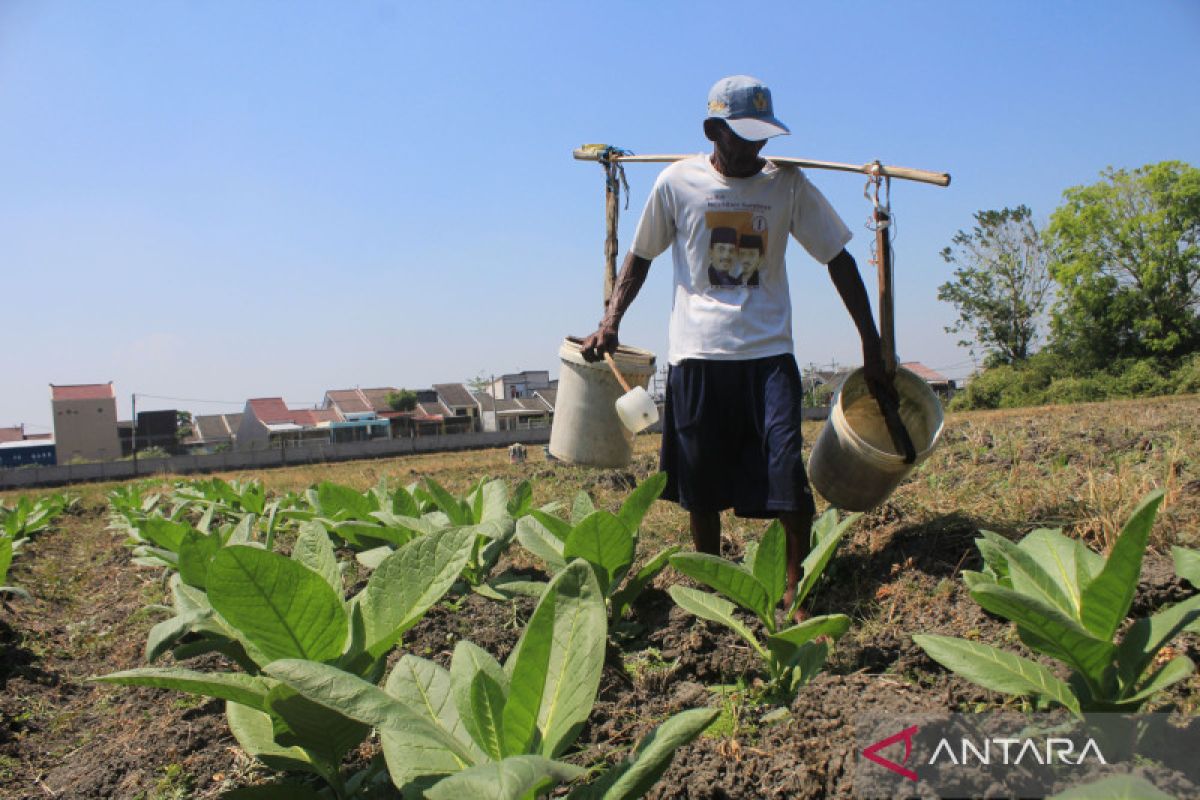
83	391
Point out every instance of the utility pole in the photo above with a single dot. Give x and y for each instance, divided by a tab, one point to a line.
133	435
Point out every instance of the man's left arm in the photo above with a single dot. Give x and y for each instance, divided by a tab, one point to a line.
843	271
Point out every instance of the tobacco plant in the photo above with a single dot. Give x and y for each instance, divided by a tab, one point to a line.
1068	603
259	607
489	732
28	517
791	654
8	548
18	523
608	542
1187	566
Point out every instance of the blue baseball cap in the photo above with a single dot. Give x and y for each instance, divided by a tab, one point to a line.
745	103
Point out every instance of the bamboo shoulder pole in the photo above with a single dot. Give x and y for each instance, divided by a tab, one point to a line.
587	153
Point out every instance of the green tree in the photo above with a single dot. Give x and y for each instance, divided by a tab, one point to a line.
1126	256
1001	285
403	400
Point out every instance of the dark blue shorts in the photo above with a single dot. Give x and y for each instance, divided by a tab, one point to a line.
731	437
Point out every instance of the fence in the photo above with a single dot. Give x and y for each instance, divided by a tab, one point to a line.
263	459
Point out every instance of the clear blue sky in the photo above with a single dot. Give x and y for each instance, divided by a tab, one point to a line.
221	200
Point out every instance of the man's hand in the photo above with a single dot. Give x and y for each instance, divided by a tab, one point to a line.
604	340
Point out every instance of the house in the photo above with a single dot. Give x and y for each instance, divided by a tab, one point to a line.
458	400
521	384
21	449
85	422
268	422
942	386
356	419
508	414
213	432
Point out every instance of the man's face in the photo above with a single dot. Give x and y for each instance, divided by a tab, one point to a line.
749	258
722	254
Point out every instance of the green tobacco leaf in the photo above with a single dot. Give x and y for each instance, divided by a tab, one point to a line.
1053	633
521	501
624	598
235	686
1187	564
398	529
994	559
731	580
555	667
458	511
1069	560
1118	787
494	501
828	532
164	533
1147	636
716	609
281	607
634	777
480	687
403	504
408	582
314	550
1026	576
581	506
371	559
770	563
6	556
997	670
514	778
326	734
1107	598
195	552
634	509
559	528
255	732
602	540
425	687
413	746
539	540
1175	670
164	635
342	502
831	625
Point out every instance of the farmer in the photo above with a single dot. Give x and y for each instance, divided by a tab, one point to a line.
731	426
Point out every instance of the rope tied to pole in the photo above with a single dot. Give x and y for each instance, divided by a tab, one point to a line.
876	180
614	170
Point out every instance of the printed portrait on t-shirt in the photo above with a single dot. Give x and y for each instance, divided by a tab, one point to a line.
737	248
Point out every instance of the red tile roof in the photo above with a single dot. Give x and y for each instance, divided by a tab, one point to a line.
925	373
349	401
270	410
83	391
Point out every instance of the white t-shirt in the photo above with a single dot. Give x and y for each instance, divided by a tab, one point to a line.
729	235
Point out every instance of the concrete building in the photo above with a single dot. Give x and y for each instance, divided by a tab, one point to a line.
521	384
85	422
268	422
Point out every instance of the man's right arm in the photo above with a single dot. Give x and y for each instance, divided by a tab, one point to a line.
629	283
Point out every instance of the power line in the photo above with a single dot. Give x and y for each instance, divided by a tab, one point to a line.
191	399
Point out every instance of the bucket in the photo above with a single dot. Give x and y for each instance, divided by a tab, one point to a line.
586	428
854	464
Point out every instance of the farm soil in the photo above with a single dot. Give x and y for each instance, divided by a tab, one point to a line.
897	574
